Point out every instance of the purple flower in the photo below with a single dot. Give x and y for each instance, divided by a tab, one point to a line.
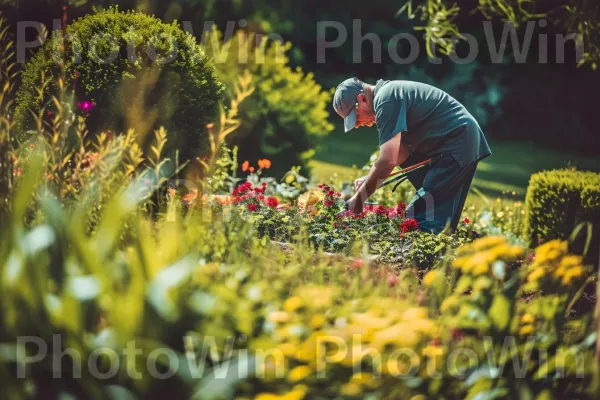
86	106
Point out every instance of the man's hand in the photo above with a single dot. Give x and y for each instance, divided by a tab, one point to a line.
355	204
358	183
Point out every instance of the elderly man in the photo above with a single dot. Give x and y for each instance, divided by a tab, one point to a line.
416	122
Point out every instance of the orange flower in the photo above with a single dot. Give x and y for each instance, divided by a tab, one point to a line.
172	192
245	166
251	169
264	164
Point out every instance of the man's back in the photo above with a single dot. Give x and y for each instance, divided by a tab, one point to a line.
430	117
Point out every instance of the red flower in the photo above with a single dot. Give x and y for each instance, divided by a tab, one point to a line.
357	264
330	193
320	186
251	207
457	334
400	208
381	210
409	225
436	342
328	203
260	197
272	202
264	184
466	220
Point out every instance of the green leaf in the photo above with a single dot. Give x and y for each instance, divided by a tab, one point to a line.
500	312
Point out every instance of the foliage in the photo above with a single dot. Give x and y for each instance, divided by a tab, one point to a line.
557	201
442	30
176	89
286	112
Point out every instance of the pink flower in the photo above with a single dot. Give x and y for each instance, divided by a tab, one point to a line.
392	280
251	207
86	106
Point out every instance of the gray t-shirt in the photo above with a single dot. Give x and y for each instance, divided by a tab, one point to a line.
433	122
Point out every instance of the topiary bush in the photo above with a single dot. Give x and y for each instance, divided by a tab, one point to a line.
557	201
156	76
286	113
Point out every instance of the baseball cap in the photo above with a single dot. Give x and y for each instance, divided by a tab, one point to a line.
344	101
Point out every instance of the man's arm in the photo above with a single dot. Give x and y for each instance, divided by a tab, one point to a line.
403	155
389	154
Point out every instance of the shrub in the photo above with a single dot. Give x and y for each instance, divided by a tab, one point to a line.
557	201
286	112
135	90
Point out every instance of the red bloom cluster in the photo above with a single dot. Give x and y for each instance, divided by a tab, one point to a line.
330	195
392	212
245	191
409	225
241	189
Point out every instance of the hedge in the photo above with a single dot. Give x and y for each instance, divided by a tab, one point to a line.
184	93
559	200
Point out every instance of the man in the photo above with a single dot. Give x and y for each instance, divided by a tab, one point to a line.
416	122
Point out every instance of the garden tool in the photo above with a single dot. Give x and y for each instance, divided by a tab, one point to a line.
396	177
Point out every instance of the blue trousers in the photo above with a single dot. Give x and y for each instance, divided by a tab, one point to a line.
442	189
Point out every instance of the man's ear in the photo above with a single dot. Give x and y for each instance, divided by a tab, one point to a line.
361	98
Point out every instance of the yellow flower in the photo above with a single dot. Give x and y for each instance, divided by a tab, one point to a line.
288	349
290	178
571	273
415	313
364	379
266	396
550	251
292	304
278	316
481	269
449	302
369	321
527	319
299	373
526	330
433	351
350	389
317	321
418	397
536	274
430	278
297	393
399	335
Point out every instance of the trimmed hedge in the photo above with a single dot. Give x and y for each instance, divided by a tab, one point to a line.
184	92
557	201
